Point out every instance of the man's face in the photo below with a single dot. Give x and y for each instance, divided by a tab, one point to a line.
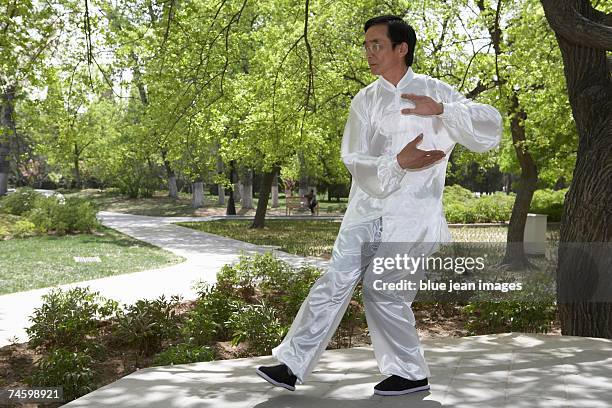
386	58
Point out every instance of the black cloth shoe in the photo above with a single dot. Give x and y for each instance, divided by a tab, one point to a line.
278	375
396	385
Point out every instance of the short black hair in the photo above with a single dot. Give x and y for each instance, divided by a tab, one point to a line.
398	32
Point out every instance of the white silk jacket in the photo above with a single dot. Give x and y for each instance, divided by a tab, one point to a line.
409	201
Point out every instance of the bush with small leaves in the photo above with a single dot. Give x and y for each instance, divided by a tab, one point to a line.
353	318
549	202
184	353
531	310
68	369
238	279
68	319
23	229
147	323
457	194
45	215
259	325
74	214
283	287
20	202
207	321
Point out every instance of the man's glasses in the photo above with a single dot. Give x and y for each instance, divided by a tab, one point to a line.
373	48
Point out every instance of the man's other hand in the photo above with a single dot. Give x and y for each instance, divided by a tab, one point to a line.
411	157
423	105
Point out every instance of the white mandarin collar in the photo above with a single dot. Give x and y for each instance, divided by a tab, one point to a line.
402	83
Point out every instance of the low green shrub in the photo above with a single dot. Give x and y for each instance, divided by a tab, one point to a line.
4	232
148	323
23	229
496	207
68	319
207	321
457	194
68	369
506	316
459	213
531	310
352	319
75	214
549	202
461	207
184	353
15	226
238	280
284	287
20	202
259	325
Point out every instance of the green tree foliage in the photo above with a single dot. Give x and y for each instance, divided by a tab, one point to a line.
267	83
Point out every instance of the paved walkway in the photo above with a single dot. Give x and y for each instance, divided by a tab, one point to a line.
205	254
511	370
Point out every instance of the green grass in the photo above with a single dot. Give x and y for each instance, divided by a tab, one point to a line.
161	205
306	238
158	205
317	237
43	261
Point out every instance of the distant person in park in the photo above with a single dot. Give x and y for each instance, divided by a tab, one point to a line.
400	132
312	201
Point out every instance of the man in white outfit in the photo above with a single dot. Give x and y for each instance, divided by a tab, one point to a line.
396	196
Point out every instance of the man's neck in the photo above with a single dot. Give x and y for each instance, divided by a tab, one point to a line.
395	76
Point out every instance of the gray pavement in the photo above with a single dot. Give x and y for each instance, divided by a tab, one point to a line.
205	254
511	370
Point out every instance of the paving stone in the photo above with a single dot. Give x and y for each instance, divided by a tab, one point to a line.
461	391
536	402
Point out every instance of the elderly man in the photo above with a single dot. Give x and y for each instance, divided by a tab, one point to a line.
400	132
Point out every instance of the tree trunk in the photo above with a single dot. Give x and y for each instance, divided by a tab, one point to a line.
172	188
508	183
262	204
275	191
231	206
220	187
515	253
587	209
246	194
303	182
221	194
7	126
76	170
197	196
237	187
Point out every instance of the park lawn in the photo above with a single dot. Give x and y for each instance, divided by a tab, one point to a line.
163	206
306	238
43	261
317	237
159	205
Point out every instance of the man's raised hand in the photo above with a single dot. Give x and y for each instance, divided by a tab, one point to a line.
423	105
411	157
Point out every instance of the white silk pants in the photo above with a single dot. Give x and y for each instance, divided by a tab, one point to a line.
391	323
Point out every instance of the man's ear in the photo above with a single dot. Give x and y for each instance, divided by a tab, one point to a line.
404	49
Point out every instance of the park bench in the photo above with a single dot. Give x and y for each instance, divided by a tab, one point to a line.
297	203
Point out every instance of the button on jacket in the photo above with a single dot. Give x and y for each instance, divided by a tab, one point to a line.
409	201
